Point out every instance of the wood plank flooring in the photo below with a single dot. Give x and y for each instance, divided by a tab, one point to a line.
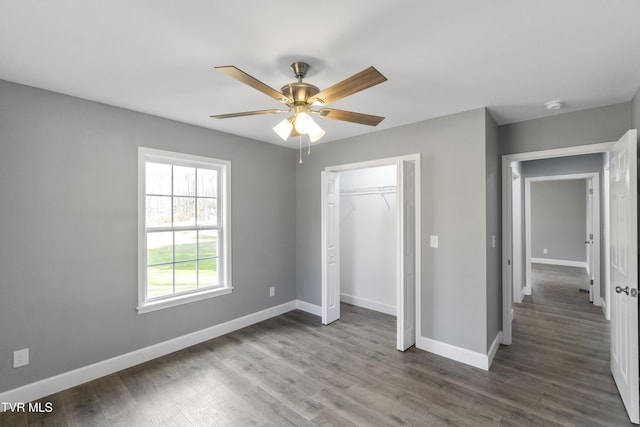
293	371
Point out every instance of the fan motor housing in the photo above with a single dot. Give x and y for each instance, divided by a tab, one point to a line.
299	91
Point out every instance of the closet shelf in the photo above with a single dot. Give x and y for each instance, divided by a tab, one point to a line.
379	191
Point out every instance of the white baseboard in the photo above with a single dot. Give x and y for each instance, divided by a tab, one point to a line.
47	386
371	305
566	263
309	308
459	354
495	345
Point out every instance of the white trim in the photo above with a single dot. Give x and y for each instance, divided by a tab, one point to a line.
459	354
309	308
418	215
507	291
495	345
183	299
55	384
371	305
566	263
593	180
605	309
223	167
606	238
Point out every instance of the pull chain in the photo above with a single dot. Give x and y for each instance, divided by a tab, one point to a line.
300	146
309	150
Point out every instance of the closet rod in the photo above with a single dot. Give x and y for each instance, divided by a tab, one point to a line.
370	191
367	193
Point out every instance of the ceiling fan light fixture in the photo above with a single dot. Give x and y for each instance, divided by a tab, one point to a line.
283	129
317	133
301	96
304	123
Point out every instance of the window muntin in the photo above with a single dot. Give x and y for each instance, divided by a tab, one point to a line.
184	228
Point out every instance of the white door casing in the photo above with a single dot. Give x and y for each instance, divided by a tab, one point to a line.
624	270
516	219
330	247
405	323
331	270
594	268
507	160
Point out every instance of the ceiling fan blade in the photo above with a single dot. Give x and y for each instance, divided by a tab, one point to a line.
245	78
360	81
349	116
246	113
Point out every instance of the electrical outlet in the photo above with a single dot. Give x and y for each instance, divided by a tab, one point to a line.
272	291
433	241
20	357
545	251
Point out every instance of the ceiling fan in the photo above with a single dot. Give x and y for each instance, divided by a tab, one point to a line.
301	97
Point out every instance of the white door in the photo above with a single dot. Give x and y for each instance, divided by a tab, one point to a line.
405	320
331	247
624	271
589	238
516	234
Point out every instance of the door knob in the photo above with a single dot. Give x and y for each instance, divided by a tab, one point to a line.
620	290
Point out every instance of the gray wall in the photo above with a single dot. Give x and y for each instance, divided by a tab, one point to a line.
493	174
591	126
68	230
558	219
453	198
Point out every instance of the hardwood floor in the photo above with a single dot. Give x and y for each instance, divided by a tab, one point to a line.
291	370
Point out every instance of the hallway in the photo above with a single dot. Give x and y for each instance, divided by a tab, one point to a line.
561	349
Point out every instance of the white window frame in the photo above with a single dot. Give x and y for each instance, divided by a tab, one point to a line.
224	230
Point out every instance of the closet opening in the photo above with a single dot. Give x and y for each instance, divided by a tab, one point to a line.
371	241
368	232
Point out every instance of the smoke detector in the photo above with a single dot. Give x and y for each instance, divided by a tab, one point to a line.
554	105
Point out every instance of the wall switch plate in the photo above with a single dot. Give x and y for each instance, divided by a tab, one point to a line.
433	241
272	291
544	251
493	241
20	357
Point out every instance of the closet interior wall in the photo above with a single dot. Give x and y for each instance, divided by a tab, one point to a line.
368	235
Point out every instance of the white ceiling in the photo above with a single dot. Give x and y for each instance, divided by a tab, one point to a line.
441	57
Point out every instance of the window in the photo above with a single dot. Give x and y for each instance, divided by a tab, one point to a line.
183	220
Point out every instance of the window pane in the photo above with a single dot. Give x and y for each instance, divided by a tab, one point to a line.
186	276
184	181
158	178
207	243
184	211
207	211
159	280
207	183
186	245
158	211
159	248
208	272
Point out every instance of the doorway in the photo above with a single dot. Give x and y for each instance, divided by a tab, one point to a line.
567	233
507	232
406	245
621	242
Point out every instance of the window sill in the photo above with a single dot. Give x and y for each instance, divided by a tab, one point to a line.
182	299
